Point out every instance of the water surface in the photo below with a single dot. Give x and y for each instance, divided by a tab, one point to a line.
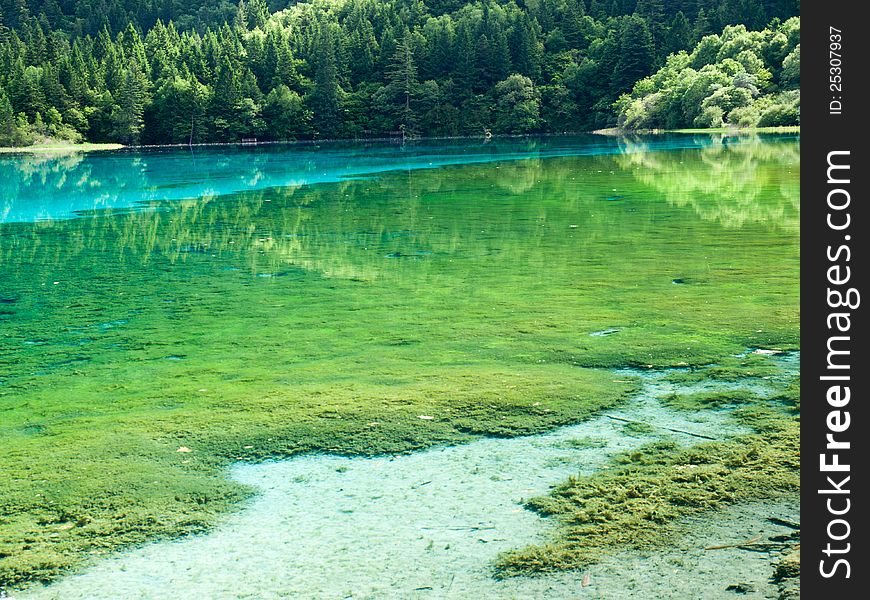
252	303
423	525
73	185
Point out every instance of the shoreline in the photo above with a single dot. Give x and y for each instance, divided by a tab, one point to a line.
611	131
59	148
616	131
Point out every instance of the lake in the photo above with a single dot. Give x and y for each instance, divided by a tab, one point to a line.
169	313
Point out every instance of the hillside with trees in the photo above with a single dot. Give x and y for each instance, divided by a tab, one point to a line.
742	78
165	71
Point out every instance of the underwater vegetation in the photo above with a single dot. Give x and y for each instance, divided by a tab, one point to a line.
639	501
144	351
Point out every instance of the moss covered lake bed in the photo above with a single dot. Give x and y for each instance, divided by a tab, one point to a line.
433	523
150	347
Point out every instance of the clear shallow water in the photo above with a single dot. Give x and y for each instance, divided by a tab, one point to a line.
69	186
329	317
429	524
515	261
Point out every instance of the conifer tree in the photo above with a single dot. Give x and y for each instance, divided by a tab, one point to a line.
680	36
464	71
636	55
401	90
526	48
258	13
7	121
325	97
703	24
127	115
241	18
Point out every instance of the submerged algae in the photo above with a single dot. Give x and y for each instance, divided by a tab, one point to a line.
631	505
729	368
88	485
424	524
639	502
131	335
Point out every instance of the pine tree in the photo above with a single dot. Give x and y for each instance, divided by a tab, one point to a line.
752	14
402	85
7	121
226	101
636	55
54	93
526	49
258	13
19	14
26	90
596	10
440	57
133	48
286	71
127	116
37	45
653	12
177	113
484	64
241	18
464	71
501	54
702	24
362	48
387	50
325	98
680	36
103	45
572	25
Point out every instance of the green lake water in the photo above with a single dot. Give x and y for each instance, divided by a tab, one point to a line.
164	314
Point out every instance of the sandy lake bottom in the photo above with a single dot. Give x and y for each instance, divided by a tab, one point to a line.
429	525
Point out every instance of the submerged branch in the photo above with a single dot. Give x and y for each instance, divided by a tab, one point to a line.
684	432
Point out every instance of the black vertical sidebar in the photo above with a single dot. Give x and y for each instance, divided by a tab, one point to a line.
834	363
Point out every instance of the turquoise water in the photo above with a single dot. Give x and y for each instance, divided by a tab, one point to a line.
252	303
71	185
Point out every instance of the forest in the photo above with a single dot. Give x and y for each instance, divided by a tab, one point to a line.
171	72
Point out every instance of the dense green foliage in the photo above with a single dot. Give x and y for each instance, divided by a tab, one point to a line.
163	71
743	78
